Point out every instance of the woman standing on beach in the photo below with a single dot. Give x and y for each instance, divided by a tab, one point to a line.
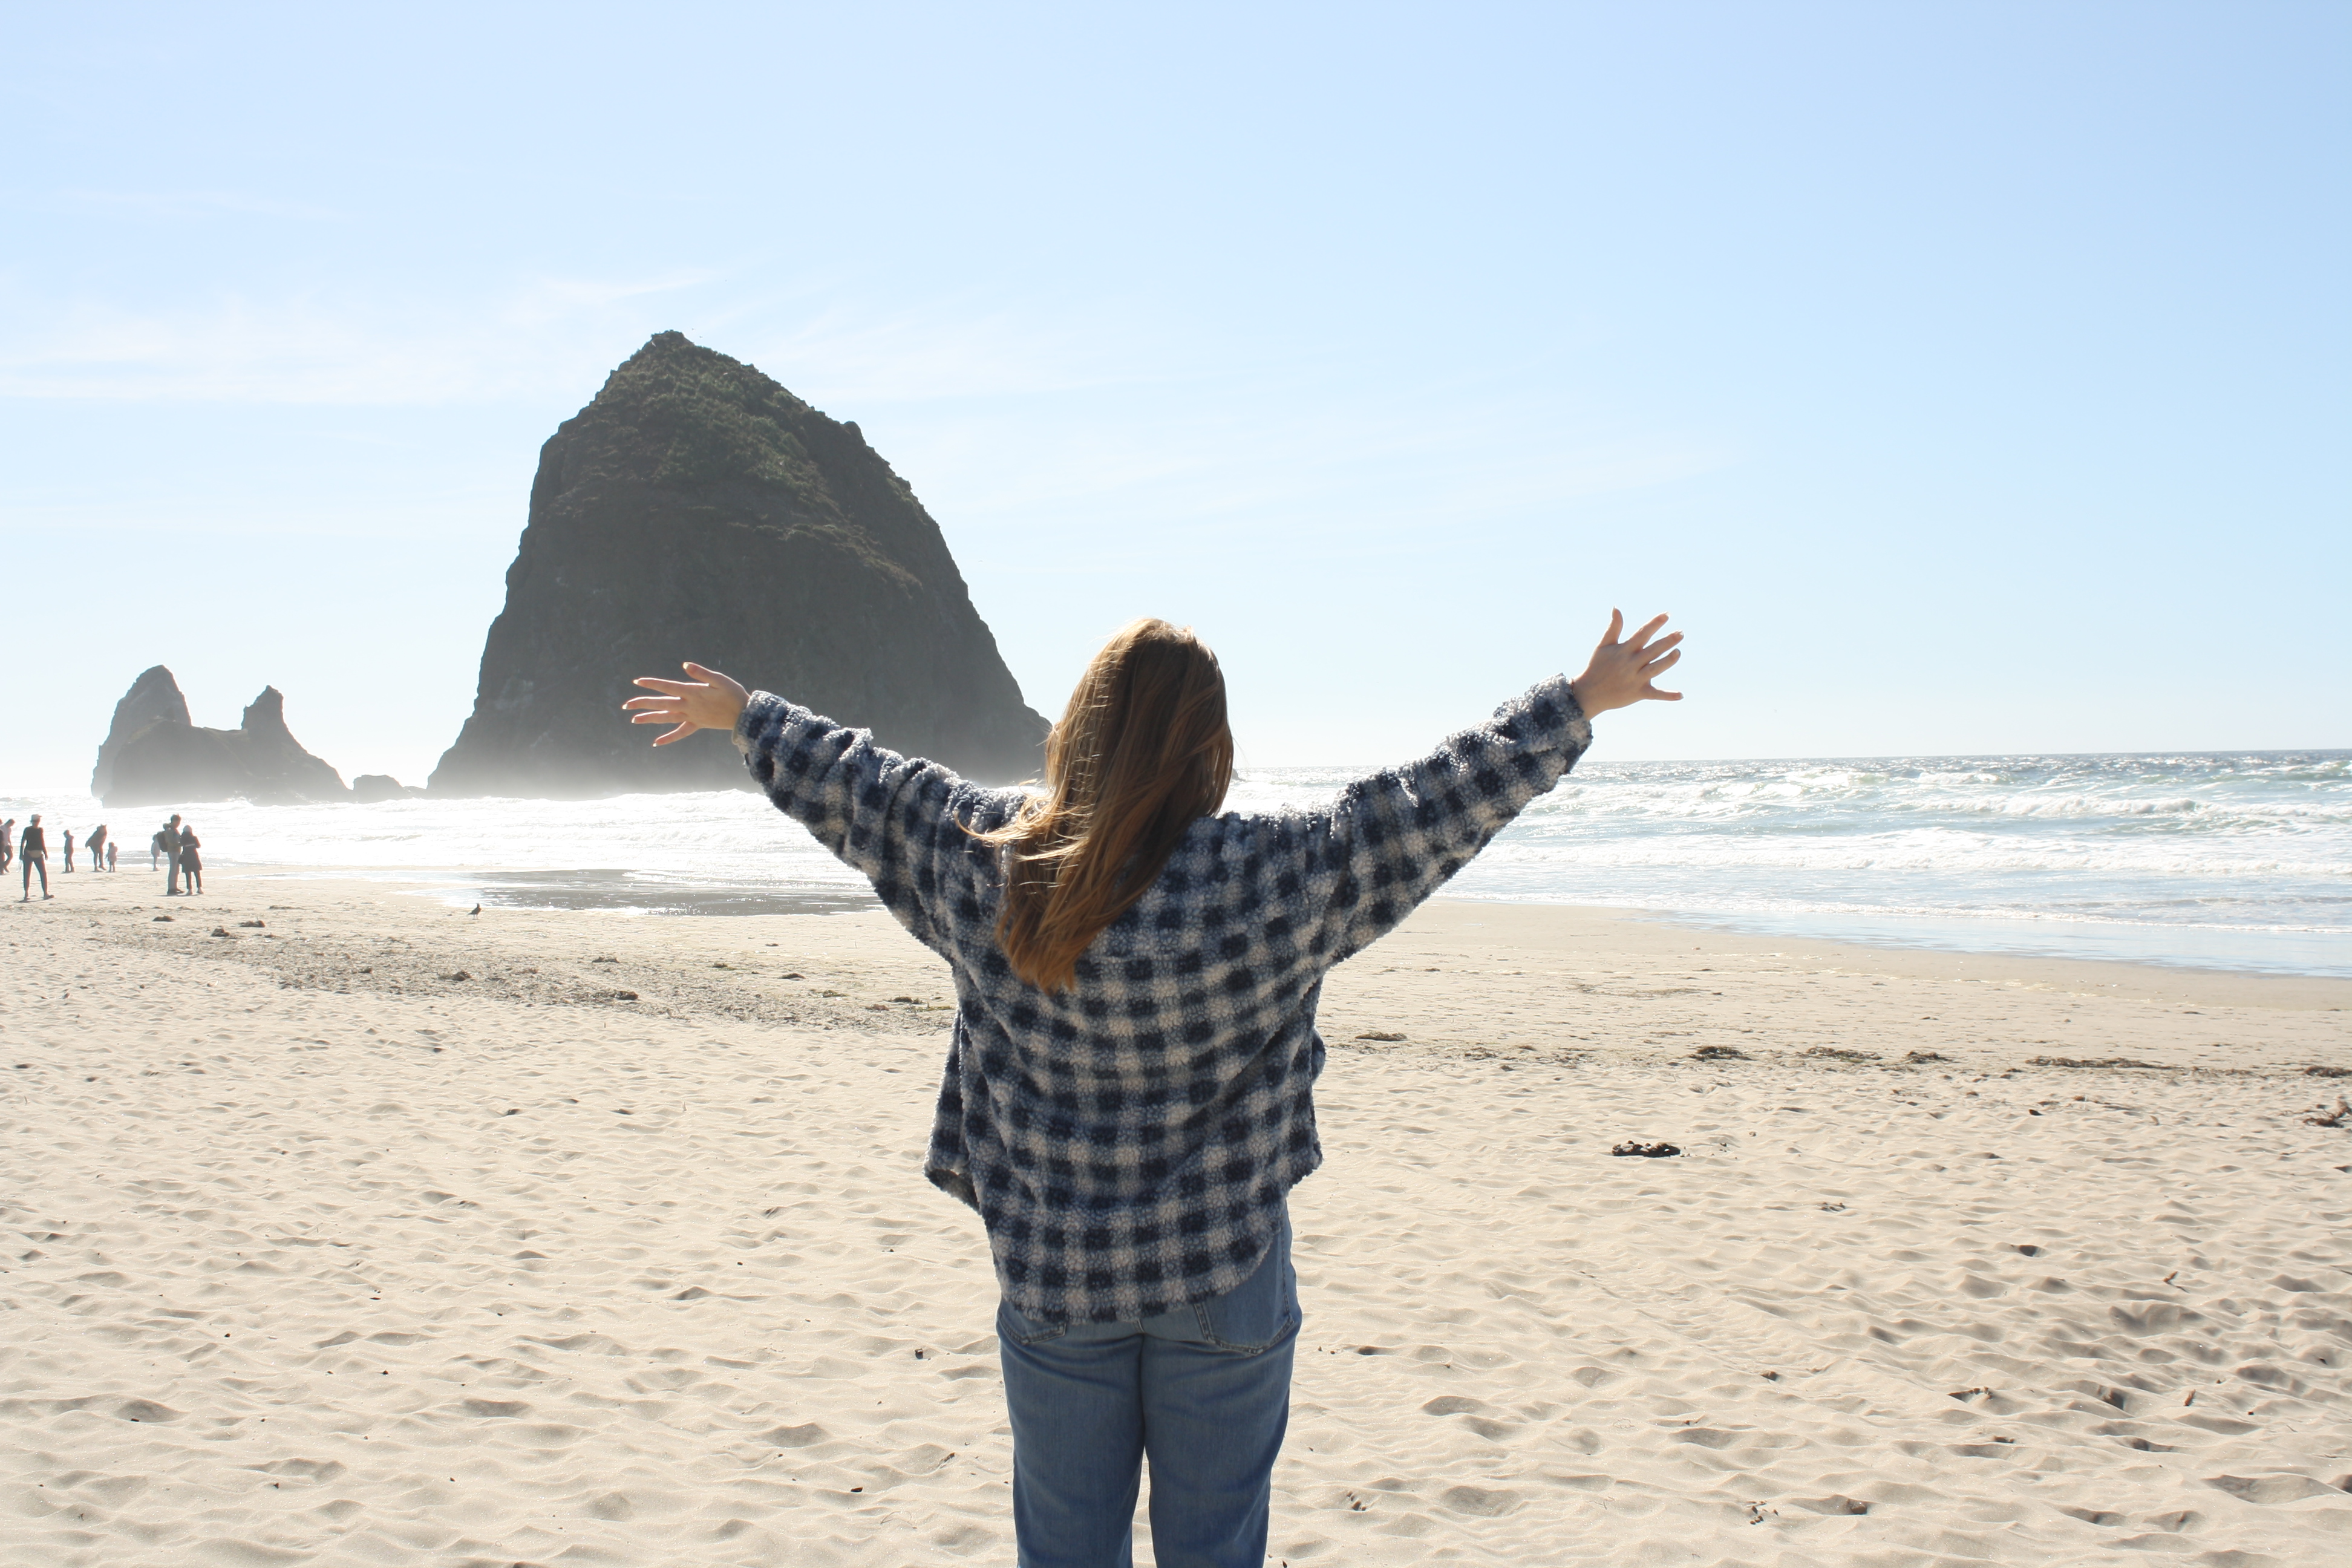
33	855
1129	1096
191	865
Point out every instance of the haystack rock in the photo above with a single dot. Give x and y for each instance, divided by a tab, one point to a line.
168	761
696	510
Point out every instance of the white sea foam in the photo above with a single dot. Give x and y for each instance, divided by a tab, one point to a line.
2243	861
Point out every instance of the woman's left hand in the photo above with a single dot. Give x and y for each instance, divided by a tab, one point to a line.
1623	672
710	701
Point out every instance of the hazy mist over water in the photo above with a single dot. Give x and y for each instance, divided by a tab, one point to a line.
2239	861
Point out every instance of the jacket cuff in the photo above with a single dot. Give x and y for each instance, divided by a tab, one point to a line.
1580	722
748	722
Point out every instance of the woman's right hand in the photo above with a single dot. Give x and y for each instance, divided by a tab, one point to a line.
1622	673
711	701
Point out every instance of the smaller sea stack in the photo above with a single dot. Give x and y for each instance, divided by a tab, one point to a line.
153	755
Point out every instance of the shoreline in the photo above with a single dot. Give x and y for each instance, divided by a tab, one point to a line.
1957	922
1525	975
424	881
2132	977
1995	1012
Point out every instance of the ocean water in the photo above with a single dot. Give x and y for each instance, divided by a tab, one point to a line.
2234	861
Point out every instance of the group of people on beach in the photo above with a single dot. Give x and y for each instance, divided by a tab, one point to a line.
176	844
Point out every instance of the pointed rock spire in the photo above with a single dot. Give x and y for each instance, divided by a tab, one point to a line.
696	510
153	699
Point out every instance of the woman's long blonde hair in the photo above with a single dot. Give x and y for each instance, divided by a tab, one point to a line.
1142	751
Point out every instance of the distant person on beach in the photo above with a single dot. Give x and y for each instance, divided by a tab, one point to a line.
95	847
68	838
1129	1095
7	843
110	854
155	850
33	855
191	865
167	840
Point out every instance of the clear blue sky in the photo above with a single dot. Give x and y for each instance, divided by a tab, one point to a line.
1963	376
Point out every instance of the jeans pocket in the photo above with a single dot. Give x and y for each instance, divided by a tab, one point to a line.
1021	1331
1258	1311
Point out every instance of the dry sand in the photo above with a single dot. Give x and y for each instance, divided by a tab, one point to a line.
382	1234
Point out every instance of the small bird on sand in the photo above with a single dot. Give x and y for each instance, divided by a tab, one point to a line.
474	910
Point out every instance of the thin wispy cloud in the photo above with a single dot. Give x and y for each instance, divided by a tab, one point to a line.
176	206
999	415
242	349
550	300
957	349
1362	468
995	414
546	334
550	334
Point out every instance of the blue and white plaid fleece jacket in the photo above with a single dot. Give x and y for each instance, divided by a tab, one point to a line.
1128	1142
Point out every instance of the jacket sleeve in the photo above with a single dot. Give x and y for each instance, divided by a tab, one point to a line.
1391	841
885	816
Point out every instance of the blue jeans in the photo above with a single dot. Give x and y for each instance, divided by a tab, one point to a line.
1204	1390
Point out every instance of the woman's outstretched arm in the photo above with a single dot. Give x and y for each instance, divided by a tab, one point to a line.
881	813
1392	840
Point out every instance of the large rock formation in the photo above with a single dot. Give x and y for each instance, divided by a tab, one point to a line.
153	699
168	761
696	510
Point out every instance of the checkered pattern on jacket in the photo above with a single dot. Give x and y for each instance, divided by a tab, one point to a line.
1127	1142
